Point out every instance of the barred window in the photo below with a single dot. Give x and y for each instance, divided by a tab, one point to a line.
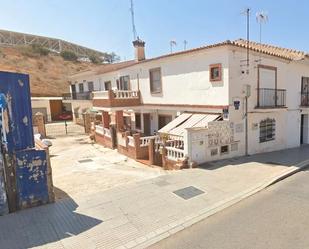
267	130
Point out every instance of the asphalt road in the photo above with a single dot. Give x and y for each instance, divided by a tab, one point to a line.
276	218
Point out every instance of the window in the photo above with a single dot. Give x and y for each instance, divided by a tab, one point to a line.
138	124
81	87
123	83
90	86
267	130
164	120
215	72
224	149
107	85
155	80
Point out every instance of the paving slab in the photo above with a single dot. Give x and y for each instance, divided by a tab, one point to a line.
140	213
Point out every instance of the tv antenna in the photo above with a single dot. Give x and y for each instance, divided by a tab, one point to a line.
185	43
261	18
247	13
173	43
133	21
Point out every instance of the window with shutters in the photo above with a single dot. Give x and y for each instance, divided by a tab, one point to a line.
155	80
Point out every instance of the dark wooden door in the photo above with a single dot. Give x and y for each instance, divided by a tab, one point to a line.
146	124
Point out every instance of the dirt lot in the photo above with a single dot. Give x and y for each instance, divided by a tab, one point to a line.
81	167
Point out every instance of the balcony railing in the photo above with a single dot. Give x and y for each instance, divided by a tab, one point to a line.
116	98
304	99
77	96
271	98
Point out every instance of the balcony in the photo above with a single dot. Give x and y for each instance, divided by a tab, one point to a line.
271	98
116	98
304	99
77	96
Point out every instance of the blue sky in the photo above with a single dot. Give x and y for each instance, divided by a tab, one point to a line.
106	24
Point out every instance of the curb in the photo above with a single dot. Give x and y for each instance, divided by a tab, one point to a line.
190	220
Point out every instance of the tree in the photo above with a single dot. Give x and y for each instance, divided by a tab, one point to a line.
68	55
111	57
95	59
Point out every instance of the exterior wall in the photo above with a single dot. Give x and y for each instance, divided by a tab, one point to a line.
199	142
103	140
185	79
42	103
287	120
78	108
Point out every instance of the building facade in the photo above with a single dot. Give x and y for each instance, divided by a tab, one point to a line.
260	103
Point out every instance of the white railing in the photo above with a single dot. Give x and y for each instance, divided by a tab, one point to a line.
174	154
131	141
175	143
119	94
100	95
99	129
102	131
146	140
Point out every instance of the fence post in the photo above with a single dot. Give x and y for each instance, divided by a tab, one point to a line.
38	121
137	144
66	127
151	151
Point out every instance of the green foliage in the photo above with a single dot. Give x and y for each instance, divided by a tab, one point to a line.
68	55
39	49
111	58
95	59
33	50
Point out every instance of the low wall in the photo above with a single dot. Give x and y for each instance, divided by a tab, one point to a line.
103	140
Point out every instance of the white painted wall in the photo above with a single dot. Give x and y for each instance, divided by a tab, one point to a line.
287	120
185	79
42	103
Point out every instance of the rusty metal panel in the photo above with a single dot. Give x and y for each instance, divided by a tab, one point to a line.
31	178
16	88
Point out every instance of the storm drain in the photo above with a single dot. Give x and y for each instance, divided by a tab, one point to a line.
85	161
188	192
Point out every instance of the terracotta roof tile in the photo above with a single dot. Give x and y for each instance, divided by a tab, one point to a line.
283	53
114	66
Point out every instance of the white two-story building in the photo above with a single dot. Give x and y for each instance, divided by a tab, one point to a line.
215	99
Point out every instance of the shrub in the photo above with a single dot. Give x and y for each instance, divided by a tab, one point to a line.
68	55
39	49
95	59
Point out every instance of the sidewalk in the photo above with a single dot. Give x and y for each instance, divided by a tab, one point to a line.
139	214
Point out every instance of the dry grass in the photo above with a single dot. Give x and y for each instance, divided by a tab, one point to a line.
48	74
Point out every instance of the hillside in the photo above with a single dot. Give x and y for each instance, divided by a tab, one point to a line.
48	73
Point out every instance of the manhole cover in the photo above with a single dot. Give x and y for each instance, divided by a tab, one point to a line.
188	192
85	161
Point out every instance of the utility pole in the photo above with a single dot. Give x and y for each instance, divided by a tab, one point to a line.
247	12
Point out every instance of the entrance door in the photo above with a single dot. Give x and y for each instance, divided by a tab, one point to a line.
73	90
304	129
146	124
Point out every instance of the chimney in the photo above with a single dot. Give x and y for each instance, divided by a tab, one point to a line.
139	46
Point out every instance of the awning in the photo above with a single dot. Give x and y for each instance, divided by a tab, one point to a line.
188	120
175	122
